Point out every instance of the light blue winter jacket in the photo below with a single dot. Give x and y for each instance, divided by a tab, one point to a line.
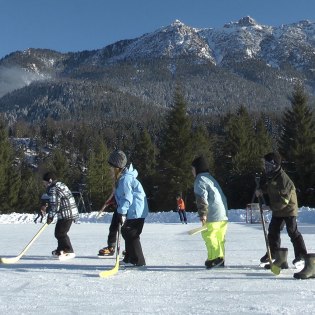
210	198
130	196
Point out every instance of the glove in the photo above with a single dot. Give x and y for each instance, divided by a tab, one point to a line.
203	219
111	208
121	219
49	220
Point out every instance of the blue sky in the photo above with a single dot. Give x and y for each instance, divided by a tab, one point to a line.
76	25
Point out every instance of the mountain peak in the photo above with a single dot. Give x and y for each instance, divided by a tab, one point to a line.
246	21
243	22
177	23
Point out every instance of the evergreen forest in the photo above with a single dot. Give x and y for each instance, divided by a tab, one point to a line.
161	149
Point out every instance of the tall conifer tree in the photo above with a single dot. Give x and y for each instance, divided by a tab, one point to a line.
144	160
30	191
6	158
176	154
241	158
99	180
297	142
202	144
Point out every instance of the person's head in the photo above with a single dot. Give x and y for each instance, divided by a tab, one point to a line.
48	178
178	197
117	159
272	162
199	165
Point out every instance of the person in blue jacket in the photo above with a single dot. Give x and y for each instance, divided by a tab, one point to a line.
212	209
132	206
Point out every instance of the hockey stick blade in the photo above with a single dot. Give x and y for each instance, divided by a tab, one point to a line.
197	230
110	272
275	269
113	271
13	260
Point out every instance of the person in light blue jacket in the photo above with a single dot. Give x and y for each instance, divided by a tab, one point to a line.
212	209
132	206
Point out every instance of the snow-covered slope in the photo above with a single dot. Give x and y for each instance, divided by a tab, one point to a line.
242	62
244	39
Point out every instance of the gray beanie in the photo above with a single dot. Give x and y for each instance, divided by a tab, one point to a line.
118	159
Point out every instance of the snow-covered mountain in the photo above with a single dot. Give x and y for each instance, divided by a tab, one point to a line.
244	39
241	63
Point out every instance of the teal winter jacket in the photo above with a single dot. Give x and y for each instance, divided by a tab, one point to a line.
210	198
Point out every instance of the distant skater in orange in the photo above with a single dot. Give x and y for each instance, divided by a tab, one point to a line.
181	209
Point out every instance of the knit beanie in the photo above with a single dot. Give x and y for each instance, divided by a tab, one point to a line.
273	158
200	164
49	176
117	159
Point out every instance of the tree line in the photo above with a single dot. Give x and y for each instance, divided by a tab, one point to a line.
162	154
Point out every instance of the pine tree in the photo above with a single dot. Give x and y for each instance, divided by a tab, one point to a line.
203	145
297	142
240	142
144	156
241	158
263	141
176	154
144	160
6	158
13	189
99	179
57	163
30	191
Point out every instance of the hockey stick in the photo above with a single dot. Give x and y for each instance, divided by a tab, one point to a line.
274	268
114	270
110	201
13	260
197	230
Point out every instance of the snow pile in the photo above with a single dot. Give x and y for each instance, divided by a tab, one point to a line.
306	215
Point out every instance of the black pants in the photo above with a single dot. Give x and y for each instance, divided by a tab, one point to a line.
293	232
131	231
113	228
61	233
39	215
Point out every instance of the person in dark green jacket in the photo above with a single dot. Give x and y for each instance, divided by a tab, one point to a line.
284	206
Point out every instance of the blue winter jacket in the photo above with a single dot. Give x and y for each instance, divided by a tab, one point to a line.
210	198
130	196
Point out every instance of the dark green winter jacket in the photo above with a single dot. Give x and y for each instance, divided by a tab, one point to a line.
282	195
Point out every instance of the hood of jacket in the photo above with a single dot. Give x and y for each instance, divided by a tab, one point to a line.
130	171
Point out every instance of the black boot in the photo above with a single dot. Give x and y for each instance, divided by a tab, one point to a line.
281	257
265	258
309	269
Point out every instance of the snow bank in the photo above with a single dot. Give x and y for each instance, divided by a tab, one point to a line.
306	215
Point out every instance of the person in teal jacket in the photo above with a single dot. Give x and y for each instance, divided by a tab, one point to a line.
212	209
132	206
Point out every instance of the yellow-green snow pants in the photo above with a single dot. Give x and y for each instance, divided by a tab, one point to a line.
214	238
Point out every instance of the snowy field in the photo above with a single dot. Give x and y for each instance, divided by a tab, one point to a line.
174	281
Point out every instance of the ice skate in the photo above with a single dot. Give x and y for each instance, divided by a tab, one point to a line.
106	252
